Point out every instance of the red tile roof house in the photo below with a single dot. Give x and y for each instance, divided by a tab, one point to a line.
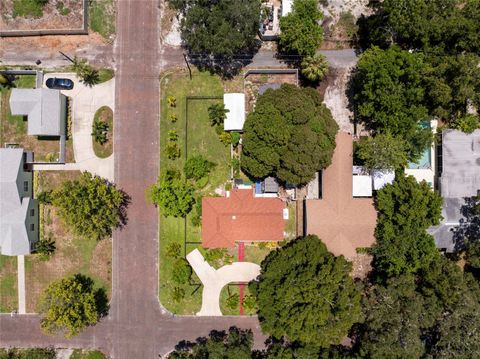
241	217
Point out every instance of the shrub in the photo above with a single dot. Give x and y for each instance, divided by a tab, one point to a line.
467	123
172	101
99	132
235	138
45	197
202	182
178	294
172	151
233	301
45	248
181	272
249	302
197	167
196	218
315	67
236	167
173	250
214	255
225	138
173	117
172	136
87	73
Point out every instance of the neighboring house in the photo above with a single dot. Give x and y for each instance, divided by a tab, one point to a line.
46	110
272	12
459	179
340	219
241	217
235	104
18	210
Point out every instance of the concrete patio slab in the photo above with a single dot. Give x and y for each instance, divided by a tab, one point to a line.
214	280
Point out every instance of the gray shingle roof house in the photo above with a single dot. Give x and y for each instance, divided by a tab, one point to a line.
46	110
18	210
460	178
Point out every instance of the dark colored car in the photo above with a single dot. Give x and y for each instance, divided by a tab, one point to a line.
59	84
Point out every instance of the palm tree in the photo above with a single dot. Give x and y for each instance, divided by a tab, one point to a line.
315	67
217	114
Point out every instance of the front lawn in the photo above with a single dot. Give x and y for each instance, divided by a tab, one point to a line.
8	284
196	137
73	254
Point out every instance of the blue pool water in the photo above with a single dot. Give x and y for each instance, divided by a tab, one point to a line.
424	162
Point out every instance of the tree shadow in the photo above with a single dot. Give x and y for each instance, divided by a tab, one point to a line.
225	66
101	300
469	228
123	209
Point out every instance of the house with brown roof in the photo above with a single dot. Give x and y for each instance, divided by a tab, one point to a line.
241	217
343	222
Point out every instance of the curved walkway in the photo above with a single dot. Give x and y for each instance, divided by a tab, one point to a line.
214	280
86	101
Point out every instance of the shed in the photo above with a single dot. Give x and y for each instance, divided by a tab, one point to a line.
235	104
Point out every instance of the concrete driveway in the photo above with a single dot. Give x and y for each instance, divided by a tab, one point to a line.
85	102
214	280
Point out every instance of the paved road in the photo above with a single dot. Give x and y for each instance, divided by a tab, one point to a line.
136	327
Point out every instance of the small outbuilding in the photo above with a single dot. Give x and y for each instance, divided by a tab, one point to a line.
235	104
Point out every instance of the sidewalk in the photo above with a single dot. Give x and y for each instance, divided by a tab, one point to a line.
21	284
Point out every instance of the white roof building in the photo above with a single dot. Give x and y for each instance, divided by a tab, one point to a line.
235	104
286	7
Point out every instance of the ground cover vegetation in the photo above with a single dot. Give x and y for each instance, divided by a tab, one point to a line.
290	135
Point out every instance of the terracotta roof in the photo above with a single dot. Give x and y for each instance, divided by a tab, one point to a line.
241	218
341	221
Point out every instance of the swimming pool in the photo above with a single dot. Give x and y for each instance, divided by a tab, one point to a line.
424	162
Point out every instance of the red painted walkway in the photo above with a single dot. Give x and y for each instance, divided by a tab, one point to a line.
241	256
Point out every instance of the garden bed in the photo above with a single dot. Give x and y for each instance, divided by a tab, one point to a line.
13	129
73	254
104	115
31	15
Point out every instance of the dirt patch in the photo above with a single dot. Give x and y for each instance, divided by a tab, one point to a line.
55	15
335	97
253	82
362	265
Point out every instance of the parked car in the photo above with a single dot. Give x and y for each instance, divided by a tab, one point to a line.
59	84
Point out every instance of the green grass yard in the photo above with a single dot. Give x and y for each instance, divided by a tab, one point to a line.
8	284
25	8
202	139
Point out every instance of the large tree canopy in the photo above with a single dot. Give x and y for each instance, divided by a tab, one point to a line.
390	96
406	209
218	28
290	135
301	32
234	344
306	294
440	26
70	305
90	205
